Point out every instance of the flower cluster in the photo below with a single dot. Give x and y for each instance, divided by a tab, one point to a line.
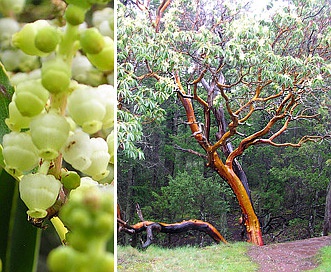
52	115
61	121
89	215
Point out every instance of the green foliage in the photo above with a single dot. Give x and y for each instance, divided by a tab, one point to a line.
190	195
270	51
129	132
140	102
290	184
280	50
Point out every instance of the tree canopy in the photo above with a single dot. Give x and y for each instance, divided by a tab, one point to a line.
243	79
262	59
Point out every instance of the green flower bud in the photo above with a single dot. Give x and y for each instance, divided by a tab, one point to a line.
105	29
19	153
47	38
111	20
106	263
99	159
84	72
27	63
55	75
101	15
104	2
49	132
70	179
111	146
18	78
9	59
86	109
110	178
103	225
16	120
39	192
79	3
79	218
80	64
8	7
21	77
77	150
15	60
78	241
72	123
107	95
104	20
89	216
92	41
25	38
91	197
111	79
75	15
108	198
63	259
104	60
31	97
87	182
8	26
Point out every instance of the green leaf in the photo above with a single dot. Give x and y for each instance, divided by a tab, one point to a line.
19	240
6	92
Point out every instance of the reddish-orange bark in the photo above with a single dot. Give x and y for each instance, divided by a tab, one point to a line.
163	6
174	228
224	170
285	112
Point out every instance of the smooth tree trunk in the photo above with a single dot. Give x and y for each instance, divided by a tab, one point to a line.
225	170
250	219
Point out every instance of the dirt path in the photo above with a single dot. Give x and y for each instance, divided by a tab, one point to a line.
290	256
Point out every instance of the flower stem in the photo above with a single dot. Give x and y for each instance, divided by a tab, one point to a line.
67	47
59	102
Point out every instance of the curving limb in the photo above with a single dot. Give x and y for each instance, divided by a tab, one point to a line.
150	227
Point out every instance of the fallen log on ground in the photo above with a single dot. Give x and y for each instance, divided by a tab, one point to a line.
150	226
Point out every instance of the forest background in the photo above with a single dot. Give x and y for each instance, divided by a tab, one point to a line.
157	163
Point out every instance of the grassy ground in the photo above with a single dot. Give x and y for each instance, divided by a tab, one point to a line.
230	258
324	260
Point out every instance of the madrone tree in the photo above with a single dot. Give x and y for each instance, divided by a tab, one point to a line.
227	65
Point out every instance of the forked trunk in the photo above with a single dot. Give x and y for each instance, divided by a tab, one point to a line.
226	171
250	219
